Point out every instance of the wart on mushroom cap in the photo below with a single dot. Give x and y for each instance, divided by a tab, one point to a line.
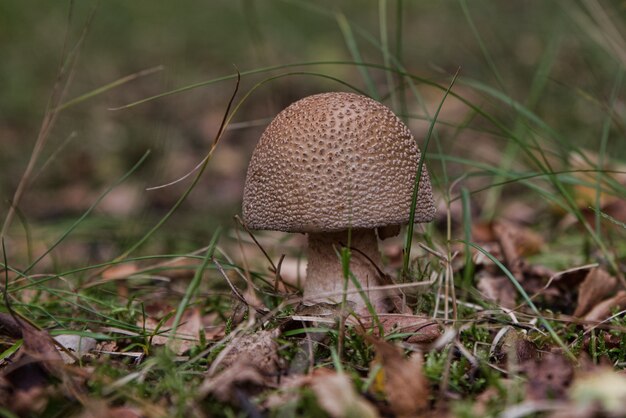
330	163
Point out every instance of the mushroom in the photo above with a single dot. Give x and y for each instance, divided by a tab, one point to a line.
338	167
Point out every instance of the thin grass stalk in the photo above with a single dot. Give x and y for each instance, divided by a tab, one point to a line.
606	126
420	168
85	214
353	47
66	66
384	42
468	269
194	284
528	301
538	83
483	48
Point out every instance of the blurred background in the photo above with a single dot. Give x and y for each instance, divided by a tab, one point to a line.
548	73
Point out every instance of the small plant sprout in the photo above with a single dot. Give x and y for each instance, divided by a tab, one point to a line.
341	168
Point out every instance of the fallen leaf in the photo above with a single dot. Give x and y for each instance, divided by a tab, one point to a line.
517	240
555	290
421	329
259	349
586	194
499	290
224	386
506	236
29	402
616	210
549	377
39	345
598	284
336	395
76	344
119	271
246	366
107	346
179	268
9	327
100	409
28	373
288	389
187	333
400	379
213	325
603	390
604	309
516	343
489	395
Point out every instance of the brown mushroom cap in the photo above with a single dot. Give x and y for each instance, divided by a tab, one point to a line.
334	161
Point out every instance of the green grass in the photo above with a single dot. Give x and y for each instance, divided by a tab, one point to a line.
518	128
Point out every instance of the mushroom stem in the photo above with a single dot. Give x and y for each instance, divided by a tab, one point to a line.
325	278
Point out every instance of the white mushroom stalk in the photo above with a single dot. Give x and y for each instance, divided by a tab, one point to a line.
325	275
330	163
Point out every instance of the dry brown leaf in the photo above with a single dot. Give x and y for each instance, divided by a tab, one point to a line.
9	327
336	395
421	328
239	376
40	346
489	395
604	390
499	290
548	377
519	240
119	271
179	268
100	409
107	346
603	310
598	284
214	328
401	379
508	242
29	402
586	193
247	365
596	393
288	389
557	290
506	236
187	334
77	346
616	210
28	373
259	349
517	344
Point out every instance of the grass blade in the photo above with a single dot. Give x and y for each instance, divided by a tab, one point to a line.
351	43
420	168
88	211
194	284
527	299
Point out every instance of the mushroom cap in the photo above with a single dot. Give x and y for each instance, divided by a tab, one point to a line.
334	161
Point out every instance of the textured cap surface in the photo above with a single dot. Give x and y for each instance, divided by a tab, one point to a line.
334	161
